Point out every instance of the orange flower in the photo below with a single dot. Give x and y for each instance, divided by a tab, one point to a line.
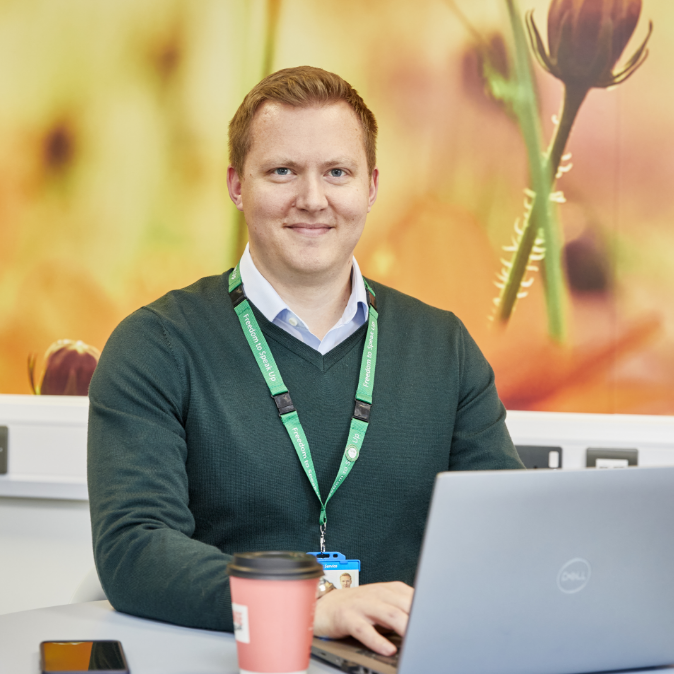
586	38
69	366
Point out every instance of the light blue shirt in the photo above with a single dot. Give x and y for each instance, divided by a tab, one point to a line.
262	294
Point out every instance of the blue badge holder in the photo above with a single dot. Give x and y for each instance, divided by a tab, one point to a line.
339	570
335	561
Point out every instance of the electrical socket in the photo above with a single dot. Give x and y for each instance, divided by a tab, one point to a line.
4	449
600	457
539	456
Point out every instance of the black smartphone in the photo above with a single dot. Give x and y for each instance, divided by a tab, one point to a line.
69	657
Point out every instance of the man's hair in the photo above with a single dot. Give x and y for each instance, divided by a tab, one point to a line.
300	87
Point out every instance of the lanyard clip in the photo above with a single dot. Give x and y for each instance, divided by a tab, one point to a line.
238	295
322	545
284	403
362	411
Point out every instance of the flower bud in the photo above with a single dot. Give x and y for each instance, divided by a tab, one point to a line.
485	66
69	366
586	38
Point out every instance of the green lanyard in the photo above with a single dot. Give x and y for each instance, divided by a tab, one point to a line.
279	391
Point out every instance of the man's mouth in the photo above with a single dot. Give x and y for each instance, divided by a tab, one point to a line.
308	229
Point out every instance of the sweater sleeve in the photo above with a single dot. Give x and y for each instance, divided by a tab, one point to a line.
147	561
480	440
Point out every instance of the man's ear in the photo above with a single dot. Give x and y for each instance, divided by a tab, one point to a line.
374	188
234	187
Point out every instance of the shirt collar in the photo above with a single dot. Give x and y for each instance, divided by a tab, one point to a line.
262	294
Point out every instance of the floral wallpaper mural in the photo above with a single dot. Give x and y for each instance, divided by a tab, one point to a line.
526	154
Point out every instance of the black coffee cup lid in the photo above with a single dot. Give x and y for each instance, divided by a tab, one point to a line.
274	565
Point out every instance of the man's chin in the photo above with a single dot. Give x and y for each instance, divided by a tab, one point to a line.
311	263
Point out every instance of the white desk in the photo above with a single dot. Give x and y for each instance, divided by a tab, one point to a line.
151	647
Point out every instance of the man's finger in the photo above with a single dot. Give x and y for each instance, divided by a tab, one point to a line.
355	612
389	616
368	636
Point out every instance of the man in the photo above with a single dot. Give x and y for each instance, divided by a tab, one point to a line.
188	459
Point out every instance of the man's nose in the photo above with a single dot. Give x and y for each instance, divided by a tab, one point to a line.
311	193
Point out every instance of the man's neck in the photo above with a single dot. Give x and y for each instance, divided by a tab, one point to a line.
319	300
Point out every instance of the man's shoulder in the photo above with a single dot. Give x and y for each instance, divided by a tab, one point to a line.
179	310
205	293
406	307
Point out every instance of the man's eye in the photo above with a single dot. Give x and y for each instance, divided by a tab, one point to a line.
282	171
336	173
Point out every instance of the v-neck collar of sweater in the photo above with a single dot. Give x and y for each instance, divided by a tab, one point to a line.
322	362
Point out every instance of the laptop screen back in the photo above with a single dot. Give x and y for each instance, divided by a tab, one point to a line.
545	572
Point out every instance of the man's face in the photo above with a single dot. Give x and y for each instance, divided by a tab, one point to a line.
305	191
345	580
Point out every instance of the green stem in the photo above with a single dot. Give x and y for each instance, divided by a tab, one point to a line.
573	99
31	374
525	108
543	170
517	270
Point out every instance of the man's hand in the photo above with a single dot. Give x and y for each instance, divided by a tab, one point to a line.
354	611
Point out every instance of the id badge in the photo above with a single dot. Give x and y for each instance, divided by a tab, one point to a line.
338	571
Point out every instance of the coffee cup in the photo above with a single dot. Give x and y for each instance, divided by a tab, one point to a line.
273	605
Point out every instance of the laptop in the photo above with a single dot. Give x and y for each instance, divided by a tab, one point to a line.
538	572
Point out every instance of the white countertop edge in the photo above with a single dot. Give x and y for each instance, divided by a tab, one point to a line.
63	487
43	410
620	430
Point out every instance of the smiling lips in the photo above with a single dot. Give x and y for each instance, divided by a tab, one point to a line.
309	229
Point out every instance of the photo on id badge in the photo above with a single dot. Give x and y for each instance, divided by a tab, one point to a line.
338	571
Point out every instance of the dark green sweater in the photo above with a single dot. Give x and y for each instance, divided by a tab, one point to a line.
189	462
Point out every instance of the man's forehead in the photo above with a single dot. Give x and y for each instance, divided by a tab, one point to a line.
281	129
270	110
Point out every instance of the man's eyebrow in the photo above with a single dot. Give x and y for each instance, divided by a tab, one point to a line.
341	161
279	163
289	163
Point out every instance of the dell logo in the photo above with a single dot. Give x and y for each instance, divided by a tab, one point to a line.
573	576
